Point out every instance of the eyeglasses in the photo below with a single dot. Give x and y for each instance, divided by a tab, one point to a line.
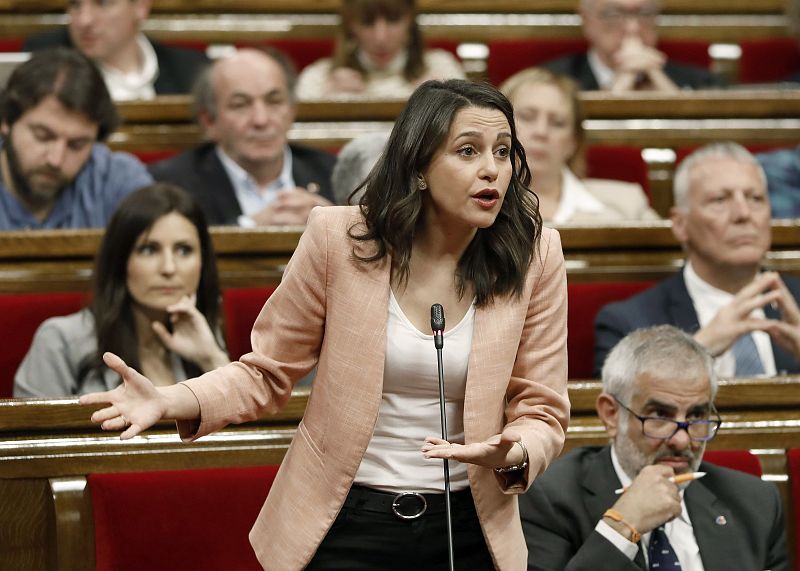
616	16
699	430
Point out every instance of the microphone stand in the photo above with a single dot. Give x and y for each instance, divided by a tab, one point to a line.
437	325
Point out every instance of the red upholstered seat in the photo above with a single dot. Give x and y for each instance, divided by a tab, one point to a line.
506	57
742	460
240	307
585	300
20	316
768	59
149	157
793	461
618	163
193	520
302	51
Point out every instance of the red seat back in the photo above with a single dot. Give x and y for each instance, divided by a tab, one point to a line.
585	300
507	57
793	461
742	460
195	520
618	163
20	316
240	307
302	51
768	59
150	157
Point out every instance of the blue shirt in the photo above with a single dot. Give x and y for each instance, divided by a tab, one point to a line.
89	201
783	181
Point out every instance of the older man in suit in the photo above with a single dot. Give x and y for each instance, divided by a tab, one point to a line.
622	54
657	408
747	318
249	174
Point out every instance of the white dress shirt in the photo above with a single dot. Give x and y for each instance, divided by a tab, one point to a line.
138	84
253	198
707	301
679	531
602	73
574	198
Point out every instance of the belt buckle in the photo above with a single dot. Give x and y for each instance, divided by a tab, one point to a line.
398	500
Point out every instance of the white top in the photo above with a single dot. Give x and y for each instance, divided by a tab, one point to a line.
139	84
253	198
387	84
679	531
707	301
409	409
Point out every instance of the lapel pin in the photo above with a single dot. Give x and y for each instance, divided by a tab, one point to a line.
721	520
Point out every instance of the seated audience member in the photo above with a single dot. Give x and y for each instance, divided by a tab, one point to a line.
622	56
354	163
248	173
549	124
55	173
782	168
657	407
134	66
379	53
747	318
155	299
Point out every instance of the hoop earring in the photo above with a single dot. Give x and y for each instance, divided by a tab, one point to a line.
421	184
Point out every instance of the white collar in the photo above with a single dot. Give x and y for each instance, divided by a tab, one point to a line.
574	198
241	178
138	84
602	73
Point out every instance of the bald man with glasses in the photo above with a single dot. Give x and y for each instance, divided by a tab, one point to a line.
622	56
657	408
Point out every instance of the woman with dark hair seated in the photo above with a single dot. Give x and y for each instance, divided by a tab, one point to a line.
379	53
155	300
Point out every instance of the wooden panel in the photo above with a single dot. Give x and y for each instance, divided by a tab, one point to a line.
442	6
24	517
236	28
73	533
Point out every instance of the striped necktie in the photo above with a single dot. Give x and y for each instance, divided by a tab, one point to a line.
748	362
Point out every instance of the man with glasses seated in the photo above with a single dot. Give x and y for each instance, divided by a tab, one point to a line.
622	56
657	406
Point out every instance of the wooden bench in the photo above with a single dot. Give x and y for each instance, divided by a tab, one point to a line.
48	449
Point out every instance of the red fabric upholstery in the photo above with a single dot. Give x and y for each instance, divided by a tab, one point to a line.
506	57
149	157
768	59
584	301
195	520
742	460
11	44
241	306
302	51
618	163
793	461
20	316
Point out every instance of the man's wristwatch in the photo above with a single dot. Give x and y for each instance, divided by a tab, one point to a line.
521	466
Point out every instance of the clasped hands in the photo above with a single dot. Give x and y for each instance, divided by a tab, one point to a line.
735	320
291	207
638	66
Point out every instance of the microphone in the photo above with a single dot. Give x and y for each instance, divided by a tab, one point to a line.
437	324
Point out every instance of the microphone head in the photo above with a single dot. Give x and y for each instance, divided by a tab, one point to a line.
437	318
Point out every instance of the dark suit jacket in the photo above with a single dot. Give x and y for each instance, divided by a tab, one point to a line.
668	303
200	172
562	508
577	67
177	67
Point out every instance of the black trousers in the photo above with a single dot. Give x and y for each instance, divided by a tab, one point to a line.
368	535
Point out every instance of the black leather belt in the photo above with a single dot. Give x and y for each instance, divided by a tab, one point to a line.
405	505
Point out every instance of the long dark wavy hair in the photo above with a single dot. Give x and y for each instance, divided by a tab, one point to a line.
367	11
111	304
497	259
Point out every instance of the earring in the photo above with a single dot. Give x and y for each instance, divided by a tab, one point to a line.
421	184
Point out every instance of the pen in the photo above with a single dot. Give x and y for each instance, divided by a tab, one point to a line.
679	479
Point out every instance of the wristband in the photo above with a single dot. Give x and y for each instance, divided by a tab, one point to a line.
616	516
521	466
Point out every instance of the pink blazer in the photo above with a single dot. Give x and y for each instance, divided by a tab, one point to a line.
331	311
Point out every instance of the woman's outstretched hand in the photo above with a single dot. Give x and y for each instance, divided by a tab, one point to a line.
136	404
495	452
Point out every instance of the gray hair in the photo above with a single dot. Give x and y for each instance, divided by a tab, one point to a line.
354	163
726	150
665	349
204	100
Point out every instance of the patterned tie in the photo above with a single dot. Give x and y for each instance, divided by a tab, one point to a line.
748	363
660	552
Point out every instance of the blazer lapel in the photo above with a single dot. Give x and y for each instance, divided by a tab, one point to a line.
223	196
679	305
784	362
717	543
